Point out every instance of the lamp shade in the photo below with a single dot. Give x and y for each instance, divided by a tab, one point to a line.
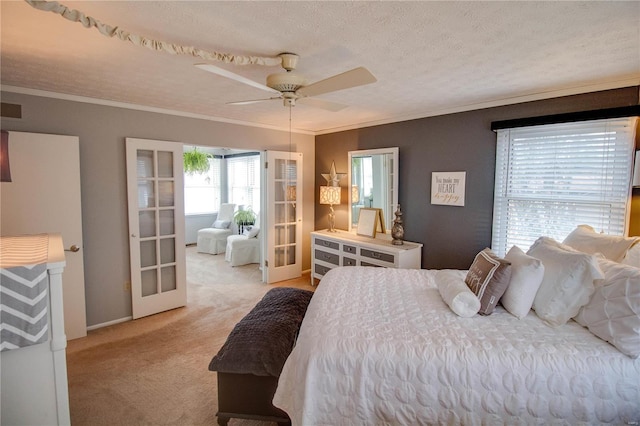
636	171
355	194
330	195
5	171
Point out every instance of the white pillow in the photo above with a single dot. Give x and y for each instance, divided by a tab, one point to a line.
632	257
568	281
221	224
251	231
526	276
584	238
613	313
455	293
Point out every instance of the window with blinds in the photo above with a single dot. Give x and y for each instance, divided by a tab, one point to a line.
243	179
202	192
551	178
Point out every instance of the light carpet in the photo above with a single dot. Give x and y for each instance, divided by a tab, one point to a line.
153	371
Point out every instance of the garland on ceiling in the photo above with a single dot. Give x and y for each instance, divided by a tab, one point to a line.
138	40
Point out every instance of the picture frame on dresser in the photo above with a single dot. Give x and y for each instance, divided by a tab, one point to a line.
370	222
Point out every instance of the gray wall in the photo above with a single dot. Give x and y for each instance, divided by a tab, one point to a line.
102	131
455	142
193	223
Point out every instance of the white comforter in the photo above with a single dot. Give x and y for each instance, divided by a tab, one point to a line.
379	346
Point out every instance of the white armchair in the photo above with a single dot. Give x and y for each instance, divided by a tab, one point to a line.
213	240
245	248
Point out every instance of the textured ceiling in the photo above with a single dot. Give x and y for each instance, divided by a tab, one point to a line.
429	57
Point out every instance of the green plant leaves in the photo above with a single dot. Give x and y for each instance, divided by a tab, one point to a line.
196	162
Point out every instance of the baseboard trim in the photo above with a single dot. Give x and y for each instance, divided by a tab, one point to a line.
108	323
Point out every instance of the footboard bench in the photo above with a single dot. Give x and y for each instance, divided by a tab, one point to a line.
250	361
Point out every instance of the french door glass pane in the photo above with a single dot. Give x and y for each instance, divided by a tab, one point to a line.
167	250
279	256
291	234
165	190
149	282
166	222
280	236
144	164
167	278
165	164
147	253
147	221
146	194
291	255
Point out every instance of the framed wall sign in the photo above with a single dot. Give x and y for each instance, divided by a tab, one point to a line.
447	188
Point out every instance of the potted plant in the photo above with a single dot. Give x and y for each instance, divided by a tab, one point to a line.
243	218
196	161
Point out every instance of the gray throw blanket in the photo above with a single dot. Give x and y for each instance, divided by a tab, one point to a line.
261	342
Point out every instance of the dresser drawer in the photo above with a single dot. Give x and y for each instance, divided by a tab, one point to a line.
349	249
347	261
327	257
326	243
370	264
321	269
377	255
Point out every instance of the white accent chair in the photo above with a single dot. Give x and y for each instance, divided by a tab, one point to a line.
213	240
245	248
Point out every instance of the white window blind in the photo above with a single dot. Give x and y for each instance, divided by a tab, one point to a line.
551	178
202	191
243	174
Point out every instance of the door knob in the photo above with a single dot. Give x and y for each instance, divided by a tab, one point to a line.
74	248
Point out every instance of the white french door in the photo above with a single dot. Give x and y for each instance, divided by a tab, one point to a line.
155	190
282	216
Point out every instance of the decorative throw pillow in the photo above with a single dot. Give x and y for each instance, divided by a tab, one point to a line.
568	283
251	231
526	276
221	224
488	278
455	293
613	313
632	258
584	238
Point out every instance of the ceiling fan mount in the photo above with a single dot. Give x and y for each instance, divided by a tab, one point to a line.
291	86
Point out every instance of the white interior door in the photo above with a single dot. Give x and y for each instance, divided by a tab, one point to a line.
155	189
282	214
44	197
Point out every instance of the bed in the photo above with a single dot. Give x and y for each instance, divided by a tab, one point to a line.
380	346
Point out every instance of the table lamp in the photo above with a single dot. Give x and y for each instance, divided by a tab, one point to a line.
330	195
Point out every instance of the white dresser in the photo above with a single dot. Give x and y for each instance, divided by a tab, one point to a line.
341	248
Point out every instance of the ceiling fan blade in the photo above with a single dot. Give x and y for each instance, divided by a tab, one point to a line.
228	74
252	101
322	104
356	77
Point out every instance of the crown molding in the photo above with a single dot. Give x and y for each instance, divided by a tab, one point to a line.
556	93
104	102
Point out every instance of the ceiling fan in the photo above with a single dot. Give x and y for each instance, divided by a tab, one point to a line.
292	87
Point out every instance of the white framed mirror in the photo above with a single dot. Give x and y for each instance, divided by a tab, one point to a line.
373	182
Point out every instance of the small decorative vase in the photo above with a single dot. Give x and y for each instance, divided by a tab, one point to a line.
397	231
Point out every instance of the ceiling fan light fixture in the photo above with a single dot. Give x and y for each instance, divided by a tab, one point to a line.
286	82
